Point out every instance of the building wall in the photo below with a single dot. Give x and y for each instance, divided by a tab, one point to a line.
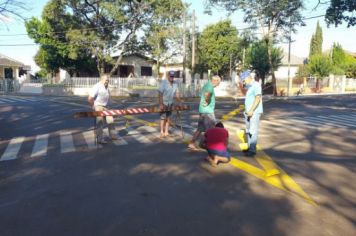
15	71
282	72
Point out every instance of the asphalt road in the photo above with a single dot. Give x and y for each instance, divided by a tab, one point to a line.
55	181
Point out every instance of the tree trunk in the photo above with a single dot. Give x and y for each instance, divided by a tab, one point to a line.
269	39
317	89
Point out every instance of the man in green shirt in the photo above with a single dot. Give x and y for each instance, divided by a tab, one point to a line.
206	110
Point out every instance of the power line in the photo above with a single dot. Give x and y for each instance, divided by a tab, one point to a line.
100	27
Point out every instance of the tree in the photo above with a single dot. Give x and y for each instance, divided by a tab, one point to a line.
218	46
101	28
11	8
319	66
56	51
340	11
277	17
257	57
316	42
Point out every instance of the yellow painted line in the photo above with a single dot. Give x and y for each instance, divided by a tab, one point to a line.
140	121
233	113
280	180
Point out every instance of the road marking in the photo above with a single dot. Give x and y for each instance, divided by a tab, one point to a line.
12	149
320	121
89	137
344	121
6	100
67	144
278	179
138	136
232	113
280	124
129	117
40	147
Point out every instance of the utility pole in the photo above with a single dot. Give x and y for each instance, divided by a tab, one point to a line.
289	91
193	44
184	45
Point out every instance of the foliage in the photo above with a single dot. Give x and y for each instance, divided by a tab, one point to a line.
55	49
277	17
218	44
164	35
320	65
11	8
83	29
316	42
302	71
257	57
343	63
340	11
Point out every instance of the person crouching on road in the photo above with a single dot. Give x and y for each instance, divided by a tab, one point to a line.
98	99
166	92
216	141
253	109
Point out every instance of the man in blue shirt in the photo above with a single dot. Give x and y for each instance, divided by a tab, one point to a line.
253	108
166	92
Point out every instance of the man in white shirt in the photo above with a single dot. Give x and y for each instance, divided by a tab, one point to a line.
98	99
166	92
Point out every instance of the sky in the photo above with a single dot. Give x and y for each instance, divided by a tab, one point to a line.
13	31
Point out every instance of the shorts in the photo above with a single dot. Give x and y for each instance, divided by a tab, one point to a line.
206	121
222	153
167	114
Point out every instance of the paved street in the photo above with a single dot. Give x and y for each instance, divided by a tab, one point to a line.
54	180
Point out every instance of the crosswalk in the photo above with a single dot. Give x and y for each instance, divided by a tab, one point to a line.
11	99
347	121
68	141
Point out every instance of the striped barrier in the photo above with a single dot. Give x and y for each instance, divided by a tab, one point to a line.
131	111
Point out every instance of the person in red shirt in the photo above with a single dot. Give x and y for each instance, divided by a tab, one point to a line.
216	141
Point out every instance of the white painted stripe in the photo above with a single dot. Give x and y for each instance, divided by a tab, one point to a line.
138	136
67	144
339	120
89	137
284	124
18	99
320	121
40	147
12	149
348	118
120	141
7	100
302	123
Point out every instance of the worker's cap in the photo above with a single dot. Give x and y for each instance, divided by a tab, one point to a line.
171	73
244	75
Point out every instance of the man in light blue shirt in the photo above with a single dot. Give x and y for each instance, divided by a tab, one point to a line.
253	109
166	92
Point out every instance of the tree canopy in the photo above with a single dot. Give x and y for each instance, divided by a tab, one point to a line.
257	57
218	46
96	29
274	18
341	11
316	41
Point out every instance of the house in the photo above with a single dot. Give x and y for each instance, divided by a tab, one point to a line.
295	62
11	68
134	65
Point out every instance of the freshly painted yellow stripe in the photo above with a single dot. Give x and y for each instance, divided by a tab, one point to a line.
129	117
281	180
233	113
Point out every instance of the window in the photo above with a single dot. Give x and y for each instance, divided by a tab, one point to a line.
146	71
